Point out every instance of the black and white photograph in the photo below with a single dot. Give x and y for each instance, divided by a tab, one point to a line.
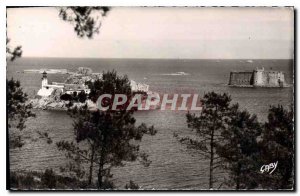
148	98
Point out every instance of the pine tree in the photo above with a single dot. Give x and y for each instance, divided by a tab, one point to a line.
278	145
17	112
13	53
86	20
208	126
239	149
111	135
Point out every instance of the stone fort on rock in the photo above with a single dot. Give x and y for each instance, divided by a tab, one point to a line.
257	78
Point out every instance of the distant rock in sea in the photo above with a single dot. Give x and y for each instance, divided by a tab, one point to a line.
49	71
180	73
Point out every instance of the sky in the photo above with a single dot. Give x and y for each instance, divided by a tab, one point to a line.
159	32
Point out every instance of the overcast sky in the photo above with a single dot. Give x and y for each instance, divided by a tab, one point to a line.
127	32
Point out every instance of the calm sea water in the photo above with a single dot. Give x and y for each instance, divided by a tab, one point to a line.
173	166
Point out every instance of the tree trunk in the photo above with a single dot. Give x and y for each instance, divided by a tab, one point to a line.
101	163
211	165
101	160
91	165
100	184
100	172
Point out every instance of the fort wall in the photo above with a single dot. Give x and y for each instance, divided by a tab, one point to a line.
269	79
241	78
257	77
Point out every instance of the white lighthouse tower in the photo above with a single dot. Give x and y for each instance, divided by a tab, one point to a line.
44	80
46	90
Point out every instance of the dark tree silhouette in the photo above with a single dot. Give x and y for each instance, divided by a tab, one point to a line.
82	97
17	111
66	97
111	136
208	126
12	54
48	179
239	149
75	96
278	145
131	186
86	20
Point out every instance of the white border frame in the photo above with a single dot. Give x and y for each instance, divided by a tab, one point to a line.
4	3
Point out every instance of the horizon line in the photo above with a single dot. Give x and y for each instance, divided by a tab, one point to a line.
161	58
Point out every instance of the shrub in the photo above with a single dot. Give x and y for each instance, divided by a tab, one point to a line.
66	97
132	185
49	179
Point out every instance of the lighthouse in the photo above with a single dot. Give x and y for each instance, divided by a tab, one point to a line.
44	79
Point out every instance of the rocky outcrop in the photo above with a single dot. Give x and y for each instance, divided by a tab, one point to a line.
49	103
84	71
82	76
51	98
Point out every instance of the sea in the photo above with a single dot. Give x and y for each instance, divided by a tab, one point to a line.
173	166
